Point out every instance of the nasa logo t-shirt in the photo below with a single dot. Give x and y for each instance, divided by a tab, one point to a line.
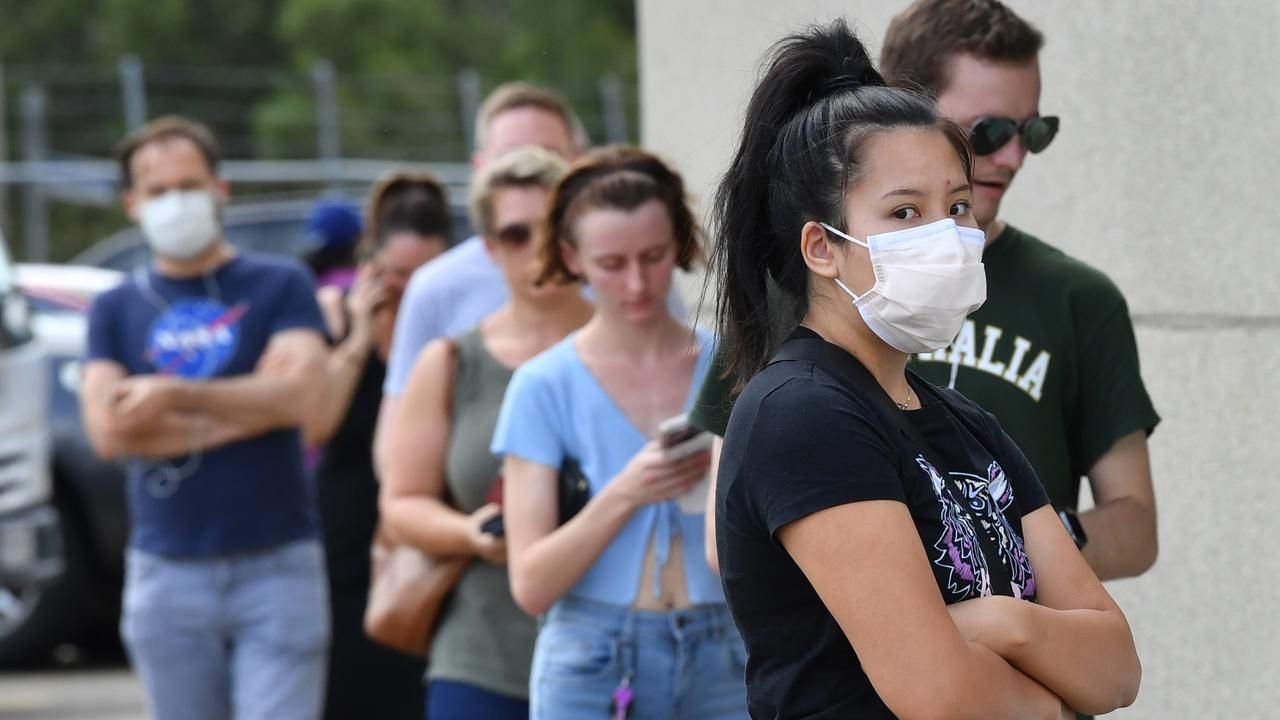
247	495
195	337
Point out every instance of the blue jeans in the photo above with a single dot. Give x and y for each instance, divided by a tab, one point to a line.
683	664
242	636
449	700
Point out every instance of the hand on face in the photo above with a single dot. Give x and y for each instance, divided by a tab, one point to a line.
368	297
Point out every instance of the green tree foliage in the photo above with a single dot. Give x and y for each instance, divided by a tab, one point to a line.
249	61
244	67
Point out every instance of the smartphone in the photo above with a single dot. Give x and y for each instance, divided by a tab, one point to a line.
493	526
679	438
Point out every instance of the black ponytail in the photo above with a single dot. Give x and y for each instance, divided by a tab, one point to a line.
817	103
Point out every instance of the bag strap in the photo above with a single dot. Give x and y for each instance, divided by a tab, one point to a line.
380	535
807	346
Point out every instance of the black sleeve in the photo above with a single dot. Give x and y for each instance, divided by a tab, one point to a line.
1027	490
811	447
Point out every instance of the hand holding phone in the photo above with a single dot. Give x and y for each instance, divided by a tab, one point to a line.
493	526
679	439
485	544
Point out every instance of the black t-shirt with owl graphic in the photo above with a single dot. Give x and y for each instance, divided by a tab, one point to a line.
801	441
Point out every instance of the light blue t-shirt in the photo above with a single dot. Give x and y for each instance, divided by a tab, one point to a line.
556	409
447	297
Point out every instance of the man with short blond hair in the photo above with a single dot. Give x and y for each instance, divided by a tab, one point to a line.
500	127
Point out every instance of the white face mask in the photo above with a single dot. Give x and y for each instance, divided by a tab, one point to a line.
180	224
928	279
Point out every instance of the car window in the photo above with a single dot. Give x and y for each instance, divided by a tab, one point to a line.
279	237
127	257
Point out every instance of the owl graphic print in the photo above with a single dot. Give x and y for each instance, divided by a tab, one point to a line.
978	548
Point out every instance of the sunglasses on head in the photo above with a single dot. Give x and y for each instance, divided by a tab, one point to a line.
989	134
515	235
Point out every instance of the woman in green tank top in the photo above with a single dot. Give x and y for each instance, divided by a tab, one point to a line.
441	477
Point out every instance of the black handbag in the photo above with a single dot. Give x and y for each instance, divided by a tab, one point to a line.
575	490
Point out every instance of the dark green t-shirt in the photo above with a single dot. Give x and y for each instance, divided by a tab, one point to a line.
1051	354
711	409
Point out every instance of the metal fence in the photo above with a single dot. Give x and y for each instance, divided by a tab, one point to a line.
280	128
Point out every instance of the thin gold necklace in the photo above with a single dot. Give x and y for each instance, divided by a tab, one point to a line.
904	405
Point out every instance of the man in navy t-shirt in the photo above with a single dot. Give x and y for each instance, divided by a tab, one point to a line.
197	372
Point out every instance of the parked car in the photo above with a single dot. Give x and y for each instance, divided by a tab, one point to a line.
31	535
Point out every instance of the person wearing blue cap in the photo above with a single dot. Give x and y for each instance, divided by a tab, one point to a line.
333	227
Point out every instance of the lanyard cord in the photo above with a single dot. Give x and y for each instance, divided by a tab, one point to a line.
162	477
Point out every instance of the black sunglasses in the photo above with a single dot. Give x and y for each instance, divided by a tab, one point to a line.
515	235
989	134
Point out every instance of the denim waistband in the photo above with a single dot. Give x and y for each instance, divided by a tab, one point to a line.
711	620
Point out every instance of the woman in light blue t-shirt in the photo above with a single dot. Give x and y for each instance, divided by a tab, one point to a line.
634	616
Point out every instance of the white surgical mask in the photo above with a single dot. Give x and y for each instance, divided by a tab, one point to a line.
180	224
928	279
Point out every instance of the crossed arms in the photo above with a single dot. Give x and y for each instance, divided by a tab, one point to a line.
160	416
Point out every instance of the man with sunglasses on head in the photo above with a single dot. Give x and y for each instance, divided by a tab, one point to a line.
1052	352
450	294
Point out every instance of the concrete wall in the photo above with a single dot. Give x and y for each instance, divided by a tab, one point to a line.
1163	176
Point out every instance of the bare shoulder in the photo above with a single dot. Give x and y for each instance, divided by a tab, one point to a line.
439	354
433	369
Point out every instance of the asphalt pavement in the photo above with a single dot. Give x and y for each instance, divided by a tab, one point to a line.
108	692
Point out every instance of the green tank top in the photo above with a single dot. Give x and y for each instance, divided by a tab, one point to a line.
483	638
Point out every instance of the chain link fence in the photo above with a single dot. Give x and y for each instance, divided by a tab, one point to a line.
284	131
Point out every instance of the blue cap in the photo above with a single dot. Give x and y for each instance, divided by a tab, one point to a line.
333	222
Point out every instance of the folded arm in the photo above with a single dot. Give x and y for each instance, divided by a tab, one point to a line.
281	392
1076	641
866	562
114	430
177	434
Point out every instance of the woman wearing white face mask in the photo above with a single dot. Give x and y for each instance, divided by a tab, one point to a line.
886	550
